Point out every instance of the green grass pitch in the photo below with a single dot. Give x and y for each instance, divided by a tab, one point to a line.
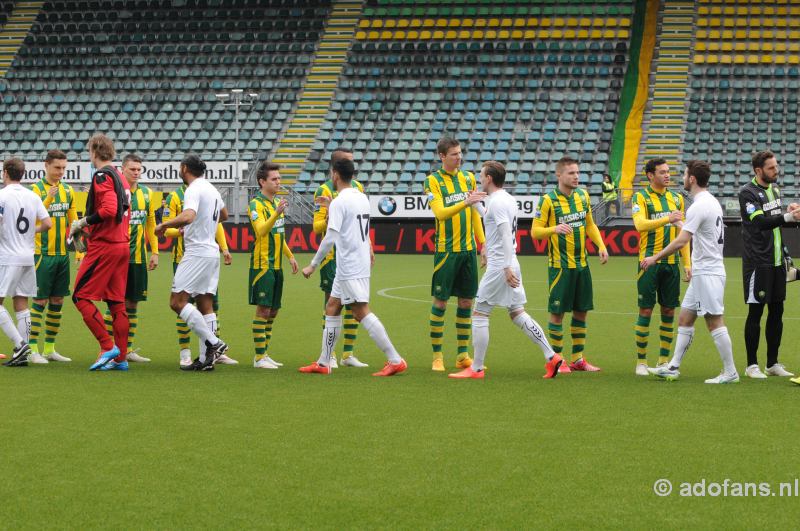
242	447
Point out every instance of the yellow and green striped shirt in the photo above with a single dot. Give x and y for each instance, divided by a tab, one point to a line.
142	225
175	207
456	234
648	204
566	250
269	248
327	189
61	209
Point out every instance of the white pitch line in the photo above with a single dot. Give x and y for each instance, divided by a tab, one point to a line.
385	293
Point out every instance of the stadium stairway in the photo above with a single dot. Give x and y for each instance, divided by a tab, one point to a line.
667	115
15	30
318	91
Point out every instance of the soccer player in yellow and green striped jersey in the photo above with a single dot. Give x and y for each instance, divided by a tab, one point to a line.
266	260
327	271
52	258
142	234
451	195
564	218
657	215
173	208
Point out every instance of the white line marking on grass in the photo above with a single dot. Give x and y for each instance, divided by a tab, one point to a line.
385	293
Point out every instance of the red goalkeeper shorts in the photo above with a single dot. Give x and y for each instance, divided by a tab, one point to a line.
103	273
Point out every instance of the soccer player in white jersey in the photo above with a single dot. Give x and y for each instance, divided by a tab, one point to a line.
348	229
198	273
22	216
501	285
705	294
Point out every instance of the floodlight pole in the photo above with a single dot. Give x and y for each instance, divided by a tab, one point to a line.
238	99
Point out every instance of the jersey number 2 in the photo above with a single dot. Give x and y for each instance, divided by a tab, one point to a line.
721	231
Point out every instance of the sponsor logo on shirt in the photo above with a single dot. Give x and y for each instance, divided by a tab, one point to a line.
659	215
138	217
576	219
455	198
775	204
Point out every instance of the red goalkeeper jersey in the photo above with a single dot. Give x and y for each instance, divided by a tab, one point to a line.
106	204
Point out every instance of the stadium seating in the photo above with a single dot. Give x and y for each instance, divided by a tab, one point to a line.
744	89
520	82
146	72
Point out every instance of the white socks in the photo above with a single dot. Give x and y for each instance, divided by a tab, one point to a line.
535	333
725	348
197	322
211	323
682	343
480	340
377	332
7	325
24	324
480	337
330	335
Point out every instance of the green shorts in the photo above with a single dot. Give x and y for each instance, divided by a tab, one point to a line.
266	287
216	295
661	282
455	275
52	276
570	290
136	289
326	276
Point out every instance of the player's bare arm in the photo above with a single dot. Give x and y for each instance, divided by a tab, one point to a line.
183	219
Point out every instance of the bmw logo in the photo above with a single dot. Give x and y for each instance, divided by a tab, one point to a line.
387	206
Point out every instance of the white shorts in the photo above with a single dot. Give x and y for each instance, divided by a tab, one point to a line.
350	291
17	281
705	295
196	275
495	291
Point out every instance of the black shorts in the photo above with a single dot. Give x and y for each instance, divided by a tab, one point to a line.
764	284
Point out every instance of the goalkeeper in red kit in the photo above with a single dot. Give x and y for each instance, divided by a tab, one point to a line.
103	273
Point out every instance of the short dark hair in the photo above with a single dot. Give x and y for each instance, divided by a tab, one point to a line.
565	161
701	170
102	146
652	164
496	171
262	174
338	154
54	154
15	168
445	144
760	158
345	169
194	164
131	157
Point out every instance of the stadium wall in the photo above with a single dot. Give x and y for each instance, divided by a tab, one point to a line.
417	237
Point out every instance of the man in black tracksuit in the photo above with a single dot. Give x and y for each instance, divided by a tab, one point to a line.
763	269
